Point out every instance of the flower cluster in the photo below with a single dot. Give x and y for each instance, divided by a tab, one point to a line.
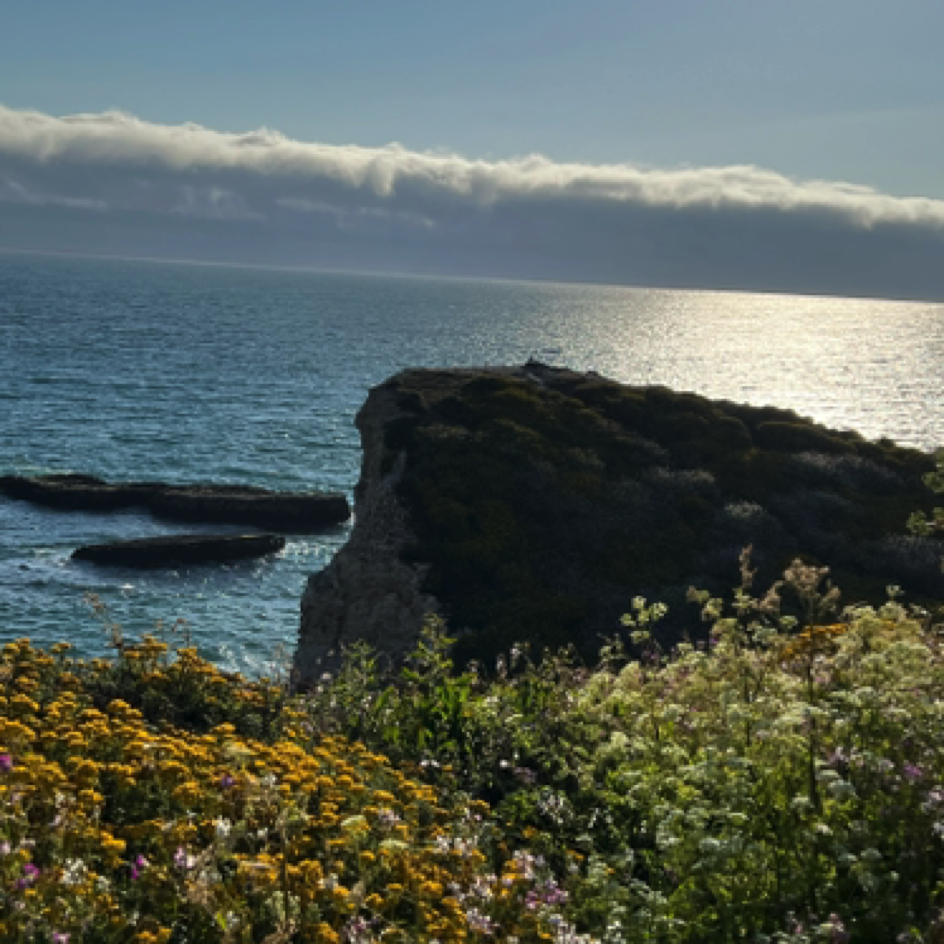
117	828
781	780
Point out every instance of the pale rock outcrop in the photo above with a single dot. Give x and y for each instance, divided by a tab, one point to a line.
367	591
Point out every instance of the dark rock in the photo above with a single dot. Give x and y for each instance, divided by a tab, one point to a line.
180	549
294	512
533	503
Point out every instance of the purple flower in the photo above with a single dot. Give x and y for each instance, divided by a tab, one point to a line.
838	933
140	864
60	937
913	772
30	874
837	757
227	781
183	860
6	763
525	774
479	922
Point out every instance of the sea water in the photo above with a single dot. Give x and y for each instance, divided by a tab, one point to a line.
195	373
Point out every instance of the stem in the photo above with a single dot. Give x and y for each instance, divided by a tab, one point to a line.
284	875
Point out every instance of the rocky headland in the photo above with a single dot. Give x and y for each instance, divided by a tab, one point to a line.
533	503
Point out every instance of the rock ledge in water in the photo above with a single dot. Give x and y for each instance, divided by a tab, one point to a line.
294	512
180	549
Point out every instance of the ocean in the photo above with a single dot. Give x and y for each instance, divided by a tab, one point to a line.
198	373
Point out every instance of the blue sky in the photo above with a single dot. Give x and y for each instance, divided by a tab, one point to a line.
733	112
837	89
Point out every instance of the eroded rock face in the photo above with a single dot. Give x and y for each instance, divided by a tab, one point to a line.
533	503
368	591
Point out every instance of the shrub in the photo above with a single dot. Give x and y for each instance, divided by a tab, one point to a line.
799	437
784	782
120	825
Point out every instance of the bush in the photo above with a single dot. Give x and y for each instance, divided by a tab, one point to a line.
120	825
783	782
799	437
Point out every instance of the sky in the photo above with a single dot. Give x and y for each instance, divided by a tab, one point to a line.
744	144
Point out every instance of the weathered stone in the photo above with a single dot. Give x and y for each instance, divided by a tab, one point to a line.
368	591
169	550
293	512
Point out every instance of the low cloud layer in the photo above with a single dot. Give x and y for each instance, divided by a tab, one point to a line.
113	183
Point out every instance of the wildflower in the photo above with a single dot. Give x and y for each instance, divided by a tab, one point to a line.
479	922
357	931
74	872
183	860
6	763
525	775
140	864
327	934
842	789
354	824
30	874
836	930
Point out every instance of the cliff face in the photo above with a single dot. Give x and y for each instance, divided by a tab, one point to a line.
368	591
532	503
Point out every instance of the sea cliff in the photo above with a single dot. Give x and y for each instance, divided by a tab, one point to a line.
533	503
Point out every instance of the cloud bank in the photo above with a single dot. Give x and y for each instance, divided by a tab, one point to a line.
114	183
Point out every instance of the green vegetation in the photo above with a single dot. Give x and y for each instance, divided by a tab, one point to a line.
782	781
921	523
772	775
541	506
204	807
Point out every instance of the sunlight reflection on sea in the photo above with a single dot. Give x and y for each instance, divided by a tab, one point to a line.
133	370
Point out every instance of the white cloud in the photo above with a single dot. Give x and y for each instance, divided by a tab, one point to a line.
531	206
124	144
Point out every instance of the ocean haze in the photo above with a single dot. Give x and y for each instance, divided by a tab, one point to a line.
115	184
135	370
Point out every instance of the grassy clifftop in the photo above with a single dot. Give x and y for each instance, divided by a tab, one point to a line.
543	500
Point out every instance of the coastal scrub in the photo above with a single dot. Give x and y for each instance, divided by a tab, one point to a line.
120	826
